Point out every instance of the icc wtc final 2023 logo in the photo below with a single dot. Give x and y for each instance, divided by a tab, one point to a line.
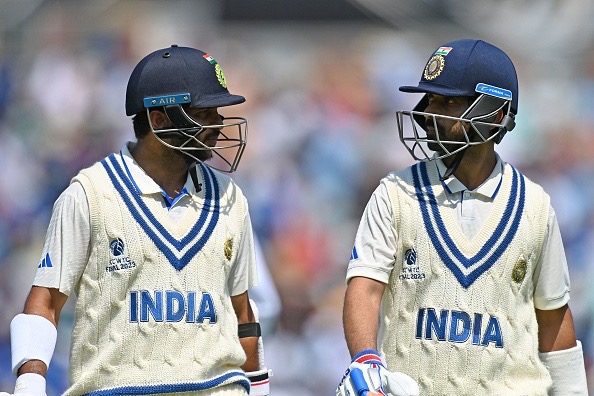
410	268
119	260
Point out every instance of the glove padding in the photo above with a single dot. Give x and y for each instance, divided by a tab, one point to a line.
367	376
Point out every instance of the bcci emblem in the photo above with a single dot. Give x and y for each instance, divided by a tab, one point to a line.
228	248
434	67
220	76
519	271
117	247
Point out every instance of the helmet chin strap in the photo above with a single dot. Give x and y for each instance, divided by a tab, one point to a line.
481	105
453	165
194	176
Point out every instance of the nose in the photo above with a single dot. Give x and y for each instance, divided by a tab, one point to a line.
215	119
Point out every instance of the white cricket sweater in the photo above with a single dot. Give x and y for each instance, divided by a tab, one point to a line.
458	314
154	313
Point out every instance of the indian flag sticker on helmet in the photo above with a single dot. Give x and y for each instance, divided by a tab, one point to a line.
443	51
210	59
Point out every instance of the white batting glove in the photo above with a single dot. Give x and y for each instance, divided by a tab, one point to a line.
28	384
368	376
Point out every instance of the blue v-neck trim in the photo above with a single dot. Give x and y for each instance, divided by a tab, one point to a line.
447	249
170	246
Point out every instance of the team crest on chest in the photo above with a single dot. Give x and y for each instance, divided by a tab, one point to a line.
519	271
228	248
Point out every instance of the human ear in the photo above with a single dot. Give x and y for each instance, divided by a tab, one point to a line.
159	119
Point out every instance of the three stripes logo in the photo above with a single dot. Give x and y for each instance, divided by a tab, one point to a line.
46	262
354	254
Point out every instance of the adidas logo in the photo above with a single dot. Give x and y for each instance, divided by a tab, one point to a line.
45	262
354	254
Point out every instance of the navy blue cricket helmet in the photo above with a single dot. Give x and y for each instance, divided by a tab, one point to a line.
178	70
471	68
176	78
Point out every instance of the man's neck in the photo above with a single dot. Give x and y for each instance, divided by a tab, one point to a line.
475	168
169	173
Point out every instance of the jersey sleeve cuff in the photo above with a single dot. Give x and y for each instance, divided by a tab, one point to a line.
547	304
367	272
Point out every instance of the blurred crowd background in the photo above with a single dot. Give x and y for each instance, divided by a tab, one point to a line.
321	81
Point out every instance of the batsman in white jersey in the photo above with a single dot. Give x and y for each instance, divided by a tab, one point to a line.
158	248
460	256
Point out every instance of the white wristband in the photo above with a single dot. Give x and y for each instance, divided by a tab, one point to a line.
567	370
30	384
259	382
32	337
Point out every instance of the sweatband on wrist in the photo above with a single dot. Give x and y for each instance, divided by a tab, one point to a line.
259	382
249	330
567	371
30	384
32	337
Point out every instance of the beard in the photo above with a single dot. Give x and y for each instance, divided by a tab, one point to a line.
453	133
186	151
187	158
193	155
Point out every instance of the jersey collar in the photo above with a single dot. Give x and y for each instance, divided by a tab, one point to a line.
143	182
489	187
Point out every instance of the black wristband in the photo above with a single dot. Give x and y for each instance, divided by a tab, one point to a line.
249	330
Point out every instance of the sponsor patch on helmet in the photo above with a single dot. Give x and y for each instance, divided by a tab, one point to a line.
166	100
220	76
519	271
493	91
434	67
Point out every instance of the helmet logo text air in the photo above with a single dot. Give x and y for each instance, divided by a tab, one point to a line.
166	100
